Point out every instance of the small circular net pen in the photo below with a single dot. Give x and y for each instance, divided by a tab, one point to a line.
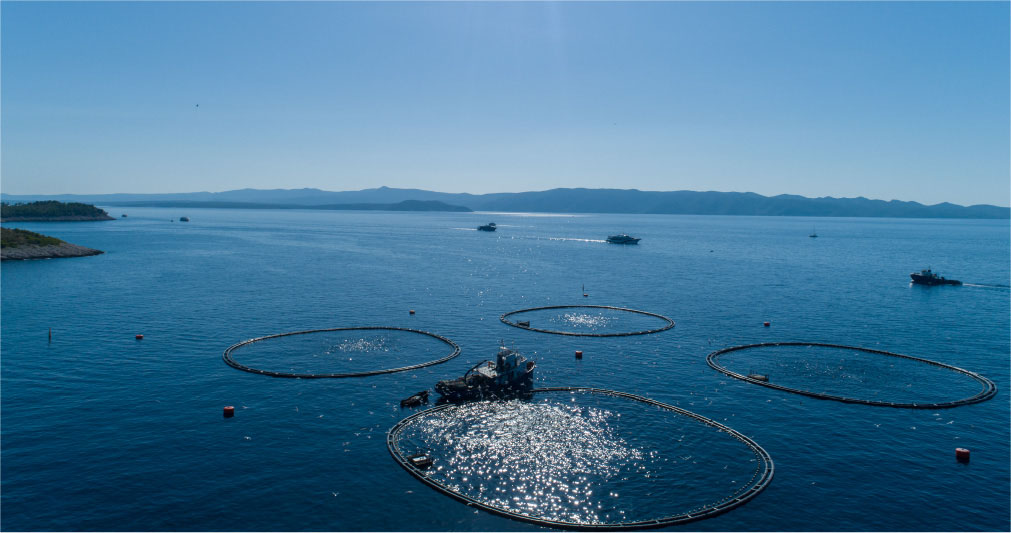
852	374
356	351
582	458
587	320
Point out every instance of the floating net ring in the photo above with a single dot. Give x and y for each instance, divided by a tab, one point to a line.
989	389
422	467
668	322
227	356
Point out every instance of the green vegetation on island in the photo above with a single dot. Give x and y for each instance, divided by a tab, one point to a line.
50	211
13	238
24	244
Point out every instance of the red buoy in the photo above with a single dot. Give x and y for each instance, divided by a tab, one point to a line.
766	324
579	354
411	311
138	337
962	455
229	411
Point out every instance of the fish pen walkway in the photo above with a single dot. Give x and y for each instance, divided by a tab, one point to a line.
227	356
668	322
989	389
760	476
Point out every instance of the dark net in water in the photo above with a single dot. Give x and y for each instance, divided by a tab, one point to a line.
588	320
853	374
583	458
340	352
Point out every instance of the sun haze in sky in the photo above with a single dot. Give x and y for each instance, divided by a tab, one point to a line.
899	100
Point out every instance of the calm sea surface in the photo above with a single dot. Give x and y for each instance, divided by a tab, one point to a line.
104	432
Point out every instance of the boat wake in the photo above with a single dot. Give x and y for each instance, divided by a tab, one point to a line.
987	286
577	240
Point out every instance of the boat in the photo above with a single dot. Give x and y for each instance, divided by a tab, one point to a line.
622	239
419	461
487	227
926	277
813	234
184	219
510	374
123	215
415	400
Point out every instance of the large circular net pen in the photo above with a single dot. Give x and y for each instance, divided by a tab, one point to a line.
582	458
355	351
853	375
587	320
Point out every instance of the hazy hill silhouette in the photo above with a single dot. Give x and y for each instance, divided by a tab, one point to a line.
558	201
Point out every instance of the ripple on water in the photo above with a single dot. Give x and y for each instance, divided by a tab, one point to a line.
580	458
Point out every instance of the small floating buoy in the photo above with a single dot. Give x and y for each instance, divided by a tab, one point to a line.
138	336
579	354
962	455
229	411
766	324
50	334
411	311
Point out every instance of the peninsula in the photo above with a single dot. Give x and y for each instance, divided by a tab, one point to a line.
51	211
23	244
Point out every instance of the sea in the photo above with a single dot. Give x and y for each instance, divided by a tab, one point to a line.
100	430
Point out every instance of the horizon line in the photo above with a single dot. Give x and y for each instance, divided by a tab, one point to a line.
3	193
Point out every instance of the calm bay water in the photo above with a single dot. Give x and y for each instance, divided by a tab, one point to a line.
104	432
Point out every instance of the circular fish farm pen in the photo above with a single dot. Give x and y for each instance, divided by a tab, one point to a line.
582	458
587	320
354	351
845	373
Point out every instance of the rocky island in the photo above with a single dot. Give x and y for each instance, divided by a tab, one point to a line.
23	244
51	211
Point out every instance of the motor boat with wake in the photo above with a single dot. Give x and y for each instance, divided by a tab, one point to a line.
926	277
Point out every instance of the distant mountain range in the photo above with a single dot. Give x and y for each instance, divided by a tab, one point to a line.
406	205
550	201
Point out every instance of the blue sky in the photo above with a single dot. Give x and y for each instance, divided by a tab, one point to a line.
904	101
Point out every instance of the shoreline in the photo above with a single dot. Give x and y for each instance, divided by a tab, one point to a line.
69	218
47	251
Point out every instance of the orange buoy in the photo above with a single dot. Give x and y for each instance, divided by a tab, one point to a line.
766	324
579	354
411	311
962	455
138	337
229	411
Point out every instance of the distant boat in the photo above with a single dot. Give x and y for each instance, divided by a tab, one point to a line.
124	215
926	277
487	227
622	239
184	219
813	233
